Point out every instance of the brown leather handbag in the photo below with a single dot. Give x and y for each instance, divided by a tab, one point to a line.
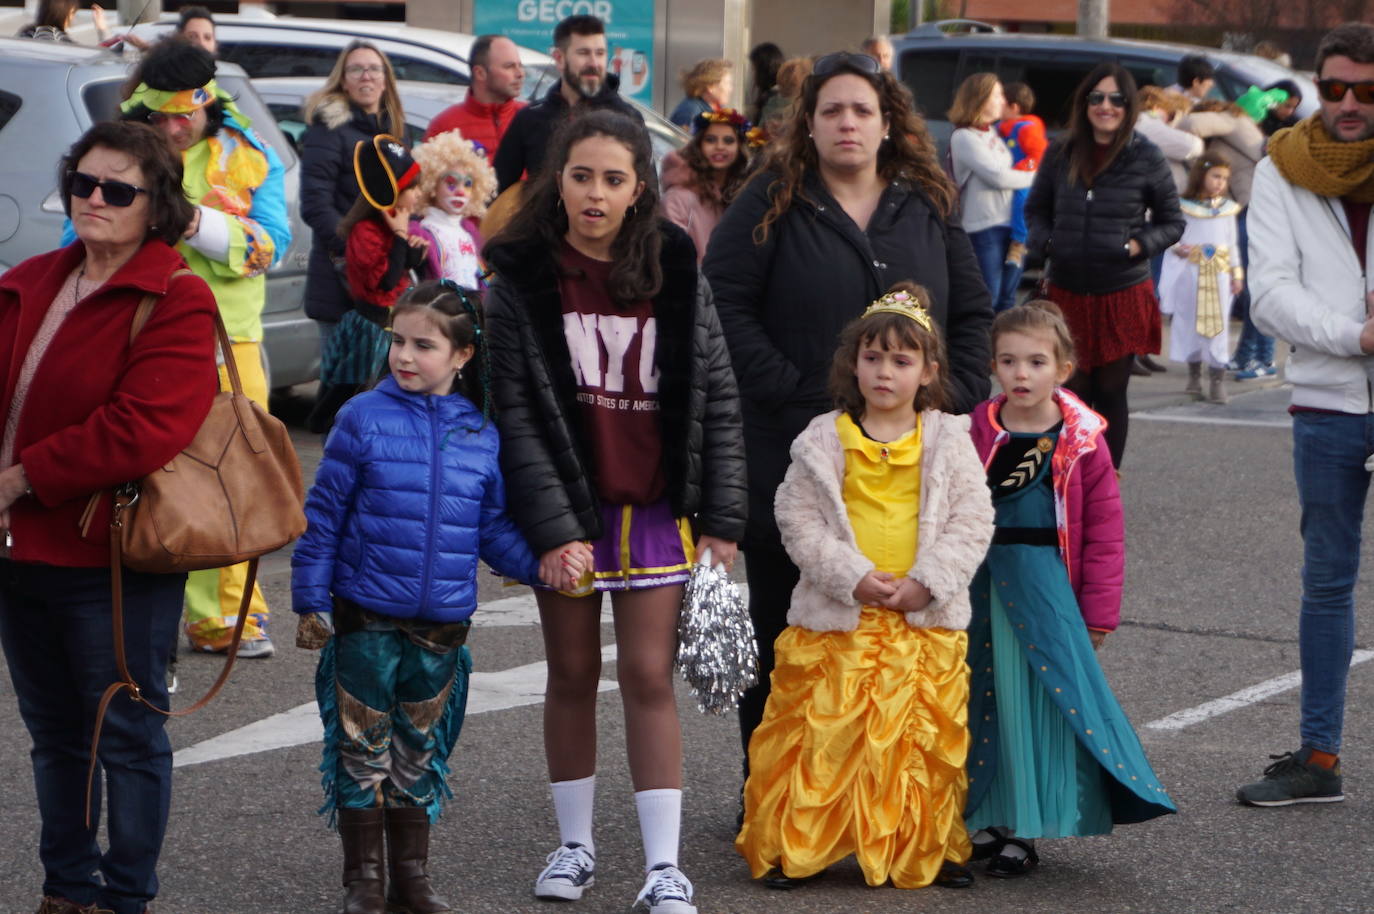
234	494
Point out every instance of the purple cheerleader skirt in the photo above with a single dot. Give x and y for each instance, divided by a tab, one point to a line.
641	546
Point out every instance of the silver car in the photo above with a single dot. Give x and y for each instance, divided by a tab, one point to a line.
50	94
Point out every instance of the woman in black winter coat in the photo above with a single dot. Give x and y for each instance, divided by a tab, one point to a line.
1104	203
620	427
854	201
358	101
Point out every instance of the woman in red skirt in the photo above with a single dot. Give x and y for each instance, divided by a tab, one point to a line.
1103	203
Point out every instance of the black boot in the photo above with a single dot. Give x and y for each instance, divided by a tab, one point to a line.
407	841
361	831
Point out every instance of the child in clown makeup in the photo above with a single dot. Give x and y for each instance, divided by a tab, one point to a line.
456	184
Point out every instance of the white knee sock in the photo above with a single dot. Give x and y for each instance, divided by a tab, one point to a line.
572	804
660	820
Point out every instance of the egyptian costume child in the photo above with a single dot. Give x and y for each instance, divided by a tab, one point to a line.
382	253
1196	285
408	497
456	182
862	744
1053	754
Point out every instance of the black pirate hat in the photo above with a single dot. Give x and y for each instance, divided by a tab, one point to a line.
384	168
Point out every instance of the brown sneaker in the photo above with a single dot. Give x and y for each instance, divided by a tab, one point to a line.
1016	254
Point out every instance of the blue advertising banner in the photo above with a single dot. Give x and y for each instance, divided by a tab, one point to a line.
629	32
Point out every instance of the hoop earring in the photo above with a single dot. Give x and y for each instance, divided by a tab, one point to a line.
559	204
634	208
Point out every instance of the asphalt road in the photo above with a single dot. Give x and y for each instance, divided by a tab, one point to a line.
1210	610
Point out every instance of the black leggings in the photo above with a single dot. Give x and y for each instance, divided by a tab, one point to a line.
1104	389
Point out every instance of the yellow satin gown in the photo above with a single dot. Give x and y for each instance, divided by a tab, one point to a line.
863	741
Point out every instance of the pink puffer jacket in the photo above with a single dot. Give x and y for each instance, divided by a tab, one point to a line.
1087	503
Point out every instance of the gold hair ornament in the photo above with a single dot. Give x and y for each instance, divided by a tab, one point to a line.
903	303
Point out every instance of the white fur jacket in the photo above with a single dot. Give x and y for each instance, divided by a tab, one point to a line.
955	526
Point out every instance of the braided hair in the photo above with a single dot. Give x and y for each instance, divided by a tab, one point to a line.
457	311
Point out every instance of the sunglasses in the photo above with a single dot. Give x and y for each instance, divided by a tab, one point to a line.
1333	90
828	64
1116	99
158	118
115	193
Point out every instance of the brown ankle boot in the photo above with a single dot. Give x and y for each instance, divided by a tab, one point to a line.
1194	386
361	831
1216	385
407	840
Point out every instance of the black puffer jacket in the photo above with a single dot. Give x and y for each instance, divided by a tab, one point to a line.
783	304
1084	232
549	485
328	190
526	141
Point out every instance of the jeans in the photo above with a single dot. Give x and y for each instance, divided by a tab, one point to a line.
55	626
1329	453
1253	346
990	248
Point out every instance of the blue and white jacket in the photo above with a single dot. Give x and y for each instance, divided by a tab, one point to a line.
408	497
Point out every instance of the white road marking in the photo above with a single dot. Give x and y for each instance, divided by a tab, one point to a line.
1180	720
1191	419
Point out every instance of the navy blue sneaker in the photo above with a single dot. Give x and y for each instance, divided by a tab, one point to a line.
571	871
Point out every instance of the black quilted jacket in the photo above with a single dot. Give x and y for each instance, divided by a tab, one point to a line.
549	486
1084	231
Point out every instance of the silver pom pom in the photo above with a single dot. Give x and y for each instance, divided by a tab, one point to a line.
716	651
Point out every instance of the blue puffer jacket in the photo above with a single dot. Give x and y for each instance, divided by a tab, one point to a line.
408	497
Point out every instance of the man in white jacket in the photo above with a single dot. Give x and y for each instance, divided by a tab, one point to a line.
1309	253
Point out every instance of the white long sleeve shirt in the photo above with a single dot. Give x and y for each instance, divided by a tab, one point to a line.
982	169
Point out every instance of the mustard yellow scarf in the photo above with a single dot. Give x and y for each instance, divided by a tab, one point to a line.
1307	156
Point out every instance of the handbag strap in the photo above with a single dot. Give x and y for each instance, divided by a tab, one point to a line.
126	681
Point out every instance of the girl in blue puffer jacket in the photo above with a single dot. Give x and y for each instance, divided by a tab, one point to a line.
406	500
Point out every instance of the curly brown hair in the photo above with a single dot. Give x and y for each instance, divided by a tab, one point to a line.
890	331
703	75
908	155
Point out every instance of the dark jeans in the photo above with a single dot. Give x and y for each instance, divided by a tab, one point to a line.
1329	453
1001	278
55	625
772	577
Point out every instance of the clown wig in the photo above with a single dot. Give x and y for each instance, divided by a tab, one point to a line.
449	151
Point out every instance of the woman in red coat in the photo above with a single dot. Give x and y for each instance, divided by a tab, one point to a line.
85	410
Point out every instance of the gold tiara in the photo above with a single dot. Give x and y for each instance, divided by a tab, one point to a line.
903	303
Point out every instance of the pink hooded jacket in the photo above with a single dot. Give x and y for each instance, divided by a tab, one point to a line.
1087	503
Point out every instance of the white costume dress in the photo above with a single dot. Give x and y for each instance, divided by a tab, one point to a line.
1196	289
453	255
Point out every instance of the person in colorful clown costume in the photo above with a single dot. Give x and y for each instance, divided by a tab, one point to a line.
239	231
456	184
1197	284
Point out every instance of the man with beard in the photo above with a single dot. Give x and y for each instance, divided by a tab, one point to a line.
1309	257
580	54
493	98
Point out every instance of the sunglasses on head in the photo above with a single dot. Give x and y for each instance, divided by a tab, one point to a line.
1116	99
828	64
1333	90
114	193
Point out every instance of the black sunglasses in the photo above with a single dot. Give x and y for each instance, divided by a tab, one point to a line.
115	193
1333	90
1117	99
828	64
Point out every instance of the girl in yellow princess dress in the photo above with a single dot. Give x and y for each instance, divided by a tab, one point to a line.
885	511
